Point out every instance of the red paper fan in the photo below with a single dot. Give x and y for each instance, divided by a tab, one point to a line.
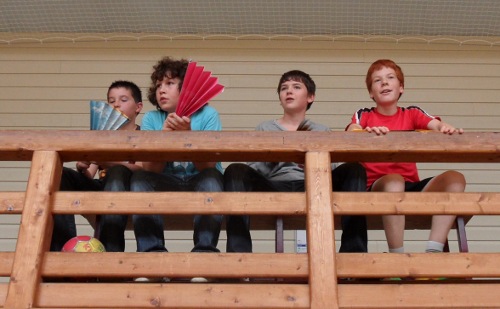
198	87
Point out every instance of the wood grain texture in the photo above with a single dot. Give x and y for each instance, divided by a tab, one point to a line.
35	229
320	227
19	145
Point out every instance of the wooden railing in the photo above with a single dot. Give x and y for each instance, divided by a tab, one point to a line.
312	280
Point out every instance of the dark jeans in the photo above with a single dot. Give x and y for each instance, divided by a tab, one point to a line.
117	179
148	229
111	228
348	177
64	225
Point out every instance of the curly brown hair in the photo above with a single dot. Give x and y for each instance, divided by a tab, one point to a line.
166	67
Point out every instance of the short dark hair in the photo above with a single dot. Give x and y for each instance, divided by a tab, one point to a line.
134	89
166	67
299	76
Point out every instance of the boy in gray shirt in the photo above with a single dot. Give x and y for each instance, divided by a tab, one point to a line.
296	91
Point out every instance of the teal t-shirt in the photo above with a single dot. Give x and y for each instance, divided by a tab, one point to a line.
206	119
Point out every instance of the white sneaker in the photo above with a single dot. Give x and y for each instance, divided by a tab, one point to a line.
152	280
201	280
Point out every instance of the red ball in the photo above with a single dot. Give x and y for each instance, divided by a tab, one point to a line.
83	244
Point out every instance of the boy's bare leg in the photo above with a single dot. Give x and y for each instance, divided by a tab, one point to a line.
449	181
394	225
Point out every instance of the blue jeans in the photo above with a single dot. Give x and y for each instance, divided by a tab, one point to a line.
148	229
346	177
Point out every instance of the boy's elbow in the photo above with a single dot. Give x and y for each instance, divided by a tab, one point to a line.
435	125
353	126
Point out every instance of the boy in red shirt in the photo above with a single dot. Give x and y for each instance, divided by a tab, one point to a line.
385	83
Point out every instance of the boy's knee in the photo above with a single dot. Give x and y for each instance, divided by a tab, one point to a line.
237	177
454	181
118	170
389	183
236	169
139	181
456	176
211	172
117	178
211	180
236	172
357	169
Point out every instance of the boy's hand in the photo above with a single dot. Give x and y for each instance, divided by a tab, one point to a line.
377	130
443	127
175	123
449	129
82	166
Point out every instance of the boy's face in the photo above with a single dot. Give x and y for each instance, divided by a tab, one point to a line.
167	93
386	87
294	96
122	99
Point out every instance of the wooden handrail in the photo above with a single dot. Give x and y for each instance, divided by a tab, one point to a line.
315	209
251	146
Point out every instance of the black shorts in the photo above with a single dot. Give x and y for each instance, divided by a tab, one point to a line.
413	186
416	186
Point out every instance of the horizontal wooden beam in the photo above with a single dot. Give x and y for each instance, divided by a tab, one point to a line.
433	294
172	295
418	265
180	203
285	265
392	294
176	265
291	206
438	294
11	202
6	260
18	145
269	265
287	204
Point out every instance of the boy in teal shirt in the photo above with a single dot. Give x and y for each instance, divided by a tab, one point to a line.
166	83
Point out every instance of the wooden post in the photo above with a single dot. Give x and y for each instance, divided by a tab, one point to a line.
35	229
320	232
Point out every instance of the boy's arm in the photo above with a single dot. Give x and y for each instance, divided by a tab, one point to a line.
203	165
131	166
86	168
376	130
443	127
156	167
354	127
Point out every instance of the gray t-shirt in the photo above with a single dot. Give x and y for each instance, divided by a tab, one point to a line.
284	171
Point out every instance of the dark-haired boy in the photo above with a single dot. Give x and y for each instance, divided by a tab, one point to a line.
296	91
127	97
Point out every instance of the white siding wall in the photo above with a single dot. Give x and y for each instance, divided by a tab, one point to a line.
48	86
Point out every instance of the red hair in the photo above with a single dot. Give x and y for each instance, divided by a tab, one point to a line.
380	64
